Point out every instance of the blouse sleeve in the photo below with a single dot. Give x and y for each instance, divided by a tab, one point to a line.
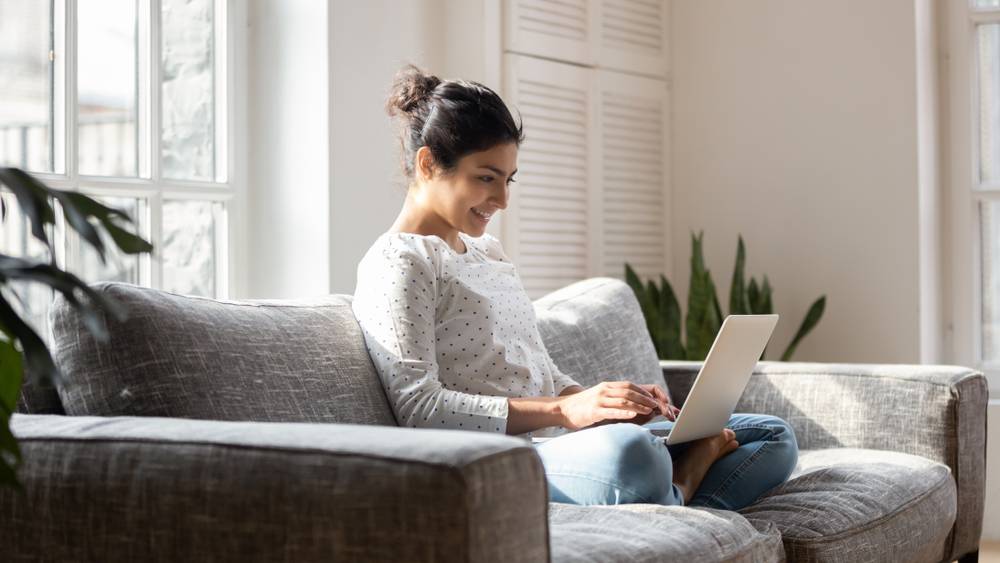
395	305
560	380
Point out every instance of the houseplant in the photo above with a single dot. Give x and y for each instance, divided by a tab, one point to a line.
23	353
704	315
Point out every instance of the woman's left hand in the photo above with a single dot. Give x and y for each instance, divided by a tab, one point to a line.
666	409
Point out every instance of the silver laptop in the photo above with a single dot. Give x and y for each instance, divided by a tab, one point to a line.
720	383
722	378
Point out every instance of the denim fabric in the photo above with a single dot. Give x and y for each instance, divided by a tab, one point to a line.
625	463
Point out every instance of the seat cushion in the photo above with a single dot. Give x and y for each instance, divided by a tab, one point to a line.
847	504
595	331
194	357
642	533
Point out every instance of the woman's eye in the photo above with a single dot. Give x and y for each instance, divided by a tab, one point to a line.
486	179
511	181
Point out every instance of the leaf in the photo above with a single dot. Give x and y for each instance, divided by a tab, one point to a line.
753	294
703	316
33	200
766	307
36	355
11	372
645	302
739	302
670	347
812	317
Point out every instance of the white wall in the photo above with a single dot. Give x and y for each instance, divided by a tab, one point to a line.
369	42
288	143
795	125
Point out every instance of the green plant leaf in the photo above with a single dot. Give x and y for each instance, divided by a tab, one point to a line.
11	371
739	302
703	316
33	199
812	317
671	347
766	306
645	302
753	294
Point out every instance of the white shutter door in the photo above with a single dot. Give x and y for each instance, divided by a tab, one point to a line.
559	29
633	130
633	35
547	223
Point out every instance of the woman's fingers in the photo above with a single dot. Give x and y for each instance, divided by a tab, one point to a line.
617	413
635	397
624	403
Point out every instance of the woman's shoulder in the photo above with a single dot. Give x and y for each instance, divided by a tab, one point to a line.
392	244
492	247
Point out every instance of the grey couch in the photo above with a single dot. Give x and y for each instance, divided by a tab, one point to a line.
257	430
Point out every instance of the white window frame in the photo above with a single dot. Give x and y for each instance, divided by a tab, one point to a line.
231	272
964	334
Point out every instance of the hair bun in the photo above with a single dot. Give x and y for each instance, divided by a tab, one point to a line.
411	87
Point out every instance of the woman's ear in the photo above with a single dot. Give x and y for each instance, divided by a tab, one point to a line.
424	163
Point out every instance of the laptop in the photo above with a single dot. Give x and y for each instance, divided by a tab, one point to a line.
720	383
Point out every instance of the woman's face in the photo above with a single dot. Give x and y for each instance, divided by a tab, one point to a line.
467	197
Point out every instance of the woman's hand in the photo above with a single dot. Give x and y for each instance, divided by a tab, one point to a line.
611	401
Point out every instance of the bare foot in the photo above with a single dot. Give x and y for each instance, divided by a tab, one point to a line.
690	469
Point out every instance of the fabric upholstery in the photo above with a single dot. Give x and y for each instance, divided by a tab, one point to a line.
934	411
595	331
193	357
652	533
850	505
38	397
168	489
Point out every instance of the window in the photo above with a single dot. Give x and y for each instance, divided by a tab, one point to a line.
128	101
973	70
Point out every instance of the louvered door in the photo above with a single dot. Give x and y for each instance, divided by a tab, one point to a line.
633	148
559	29
632	35
548	222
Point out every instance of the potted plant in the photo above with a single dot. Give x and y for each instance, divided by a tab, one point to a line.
23	353
704	315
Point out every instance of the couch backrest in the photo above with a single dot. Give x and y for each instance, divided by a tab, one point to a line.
193	357
595	331
295	360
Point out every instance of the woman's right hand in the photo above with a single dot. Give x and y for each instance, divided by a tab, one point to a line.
609	400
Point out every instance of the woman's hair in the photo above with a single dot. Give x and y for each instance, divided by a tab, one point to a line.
451	117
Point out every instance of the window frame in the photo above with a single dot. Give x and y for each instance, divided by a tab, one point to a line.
964	334
230	83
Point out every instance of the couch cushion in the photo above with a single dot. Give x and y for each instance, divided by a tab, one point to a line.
595	331
847	504
654	533
194	357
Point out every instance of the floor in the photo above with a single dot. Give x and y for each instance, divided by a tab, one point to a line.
989	552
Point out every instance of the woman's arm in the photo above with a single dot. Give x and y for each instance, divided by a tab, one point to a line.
577	407
525	414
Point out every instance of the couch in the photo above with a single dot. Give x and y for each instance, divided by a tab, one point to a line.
257	430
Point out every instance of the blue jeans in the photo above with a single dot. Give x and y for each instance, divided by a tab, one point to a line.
625	463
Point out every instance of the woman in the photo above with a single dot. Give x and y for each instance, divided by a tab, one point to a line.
454	339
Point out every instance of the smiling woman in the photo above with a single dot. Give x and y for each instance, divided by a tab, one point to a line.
454	338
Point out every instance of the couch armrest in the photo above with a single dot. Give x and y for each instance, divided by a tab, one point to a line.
165	489
935	411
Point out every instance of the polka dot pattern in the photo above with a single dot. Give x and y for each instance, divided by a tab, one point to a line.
452	335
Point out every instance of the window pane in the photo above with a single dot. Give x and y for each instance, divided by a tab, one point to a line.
26	90
192	231
188	94
16	240
985	3
989	216
106	84
118	266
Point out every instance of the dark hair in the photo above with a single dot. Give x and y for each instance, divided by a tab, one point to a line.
451	117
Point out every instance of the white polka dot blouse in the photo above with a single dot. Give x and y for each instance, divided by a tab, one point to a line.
452	335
